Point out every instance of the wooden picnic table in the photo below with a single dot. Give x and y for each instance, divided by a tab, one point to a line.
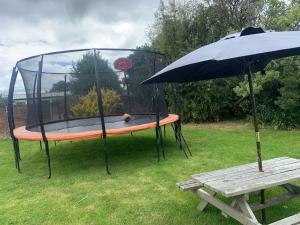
239	181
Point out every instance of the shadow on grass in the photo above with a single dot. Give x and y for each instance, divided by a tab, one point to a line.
126	153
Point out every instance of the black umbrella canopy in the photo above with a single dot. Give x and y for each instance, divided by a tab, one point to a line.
231	56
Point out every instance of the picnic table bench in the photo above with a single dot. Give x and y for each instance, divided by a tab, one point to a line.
239	181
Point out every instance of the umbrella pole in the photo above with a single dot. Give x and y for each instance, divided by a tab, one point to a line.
258	147
255	121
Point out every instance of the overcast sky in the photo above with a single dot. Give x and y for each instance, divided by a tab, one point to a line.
30	27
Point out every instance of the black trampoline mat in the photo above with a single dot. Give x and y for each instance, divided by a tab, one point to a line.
94	124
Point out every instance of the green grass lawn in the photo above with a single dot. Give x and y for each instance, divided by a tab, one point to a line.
139	191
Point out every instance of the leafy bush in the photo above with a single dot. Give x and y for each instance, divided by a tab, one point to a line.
206	100
88	105
289	99
277	94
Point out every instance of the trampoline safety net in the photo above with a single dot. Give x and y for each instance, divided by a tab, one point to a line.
74	85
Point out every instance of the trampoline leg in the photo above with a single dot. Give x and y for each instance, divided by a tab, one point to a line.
165	133
185	144
17	158
183	149
55	143
175	132
18	149
131	134
178	136
15	154
19	155
180	139
48	158
106	156
161	142
157	144
41	147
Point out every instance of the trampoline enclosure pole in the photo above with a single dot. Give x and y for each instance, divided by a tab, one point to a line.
101	112
65	98
40	113
178	123
127	89
34	95
157	128
175	97
10	117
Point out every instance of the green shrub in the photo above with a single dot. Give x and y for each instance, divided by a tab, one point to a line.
88	105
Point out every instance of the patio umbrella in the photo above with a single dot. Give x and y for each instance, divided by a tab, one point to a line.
234	55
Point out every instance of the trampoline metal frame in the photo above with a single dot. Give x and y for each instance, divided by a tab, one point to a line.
37	85
10	117
40	114
100	108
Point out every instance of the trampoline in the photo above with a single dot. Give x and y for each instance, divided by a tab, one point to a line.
92	93
80	129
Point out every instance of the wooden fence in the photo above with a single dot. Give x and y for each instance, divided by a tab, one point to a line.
19	116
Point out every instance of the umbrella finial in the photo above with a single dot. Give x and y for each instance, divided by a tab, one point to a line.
252	30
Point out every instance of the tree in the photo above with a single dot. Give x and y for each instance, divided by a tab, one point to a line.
83	76
58	87
182	27
142	69
289	98
282	16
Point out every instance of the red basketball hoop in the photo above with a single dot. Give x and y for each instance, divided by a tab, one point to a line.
123	64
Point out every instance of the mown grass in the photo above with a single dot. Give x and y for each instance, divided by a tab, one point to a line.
139	191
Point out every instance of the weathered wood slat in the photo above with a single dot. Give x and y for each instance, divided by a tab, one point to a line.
260	177
245	178
242	167
234	182
261	184
251	173
189	185
292	220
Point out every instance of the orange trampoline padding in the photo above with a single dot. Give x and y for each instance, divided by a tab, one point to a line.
22	134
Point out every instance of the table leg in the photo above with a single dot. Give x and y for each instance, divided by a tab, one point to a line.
263	211
202	205
241	216
234	205
293	191
245	207
292	188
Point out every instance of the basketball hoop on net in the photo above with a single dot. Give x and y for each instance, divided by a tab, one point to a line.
123	64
